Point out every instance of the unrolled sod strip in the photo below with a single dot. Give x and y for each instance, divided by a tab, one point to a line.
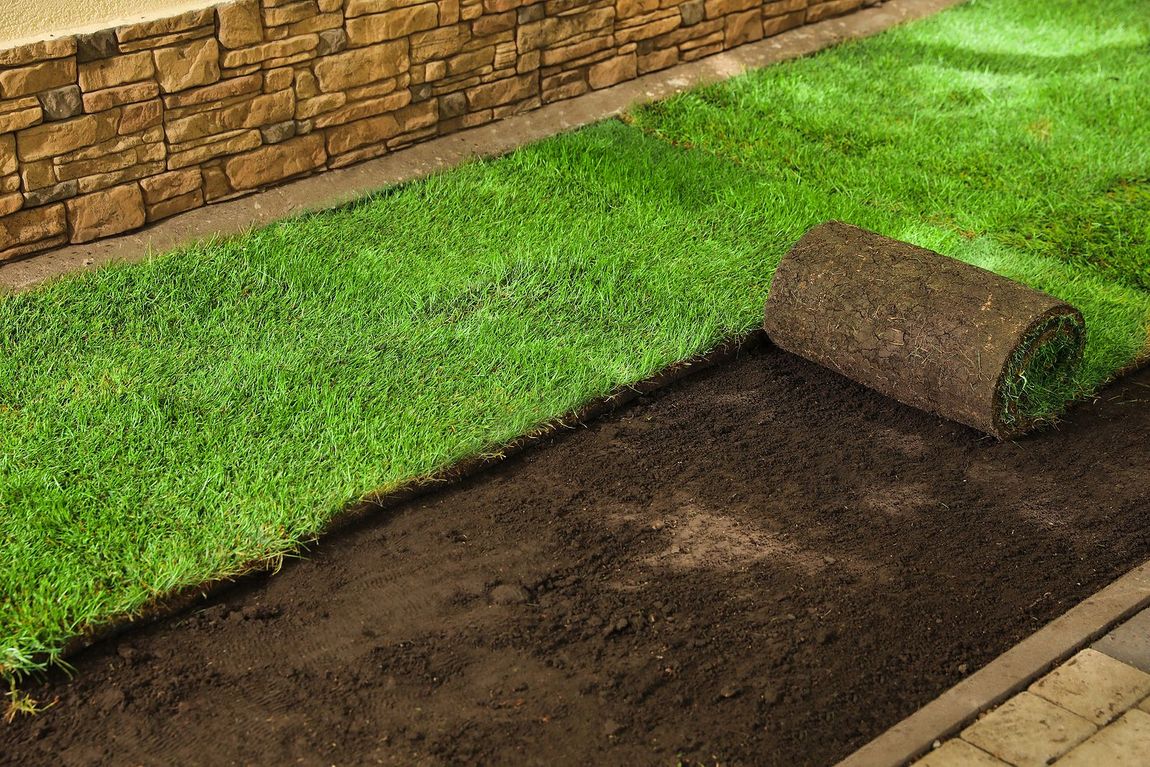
925	329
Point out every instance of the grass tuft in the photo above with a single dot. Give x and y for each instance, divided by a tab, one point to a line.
1039	379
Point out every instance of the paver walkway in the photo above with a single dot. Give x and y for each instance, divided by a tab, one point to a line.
1091	711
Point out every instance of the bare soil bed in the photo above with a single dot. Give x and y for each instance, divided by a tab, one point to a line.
762	564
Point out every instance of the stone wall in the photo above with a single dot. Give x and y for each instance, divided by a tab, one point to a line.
102	133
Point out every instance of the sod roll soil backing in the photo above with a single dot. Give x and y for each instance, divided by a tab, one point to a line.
925	329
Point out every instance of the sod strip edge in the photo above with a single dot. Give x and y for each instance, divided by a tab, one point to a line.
1008	673
367	510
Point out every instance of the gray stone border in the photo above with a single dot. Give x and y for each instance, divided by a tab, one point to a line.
333	188
1008	673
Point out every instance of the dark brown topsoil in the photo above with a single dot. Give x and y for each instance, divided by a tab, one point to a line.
762	564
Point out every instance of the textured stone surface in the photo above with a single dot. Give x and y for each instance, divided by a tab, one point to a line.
34	78
218	146
1125	743
107	73
165	26
274	134
1094	686
778	24
61	103
279	14
275	163
22	113
187	66
8	163
332	41
104	213
831	8
1028	731
265	109
56	138
362	109
168	185
358	67
225	89
781	7
10	203
138	117
37	175
101	100
53	193
613	71
170	207
30	226
240	24
395	24
361	133
742	28
96	45
959	753
501	91
38	51
692	12
275	50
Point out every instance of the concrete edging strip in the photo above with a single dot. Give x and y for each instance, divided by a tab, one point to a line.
1008	673
333	188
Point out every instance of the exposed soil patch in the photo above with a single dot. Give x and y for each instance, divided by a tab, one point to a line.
763	564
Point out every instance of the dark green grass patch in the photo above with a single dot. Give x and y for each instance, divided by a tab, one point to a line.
1109	230
170	422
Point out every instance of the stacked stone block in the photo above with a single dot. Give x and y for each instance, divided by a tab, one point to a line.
102	133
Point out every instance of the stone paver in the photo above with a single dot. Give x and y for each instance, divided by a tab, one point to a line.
1125	743
1028	731
958	753
1130	642
1094	686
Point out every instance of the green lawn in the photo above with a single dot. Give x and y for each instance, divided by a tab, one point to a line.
170	422
1027	122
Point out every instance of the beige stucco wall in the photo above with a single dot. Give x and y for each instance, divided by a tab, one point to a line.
36	19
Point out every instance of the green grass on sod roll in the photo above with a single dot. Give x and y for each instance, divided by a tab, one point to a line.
1040	376
170	422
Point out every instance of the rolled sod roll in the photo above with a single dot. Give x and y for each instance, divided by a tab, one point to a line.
925	329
